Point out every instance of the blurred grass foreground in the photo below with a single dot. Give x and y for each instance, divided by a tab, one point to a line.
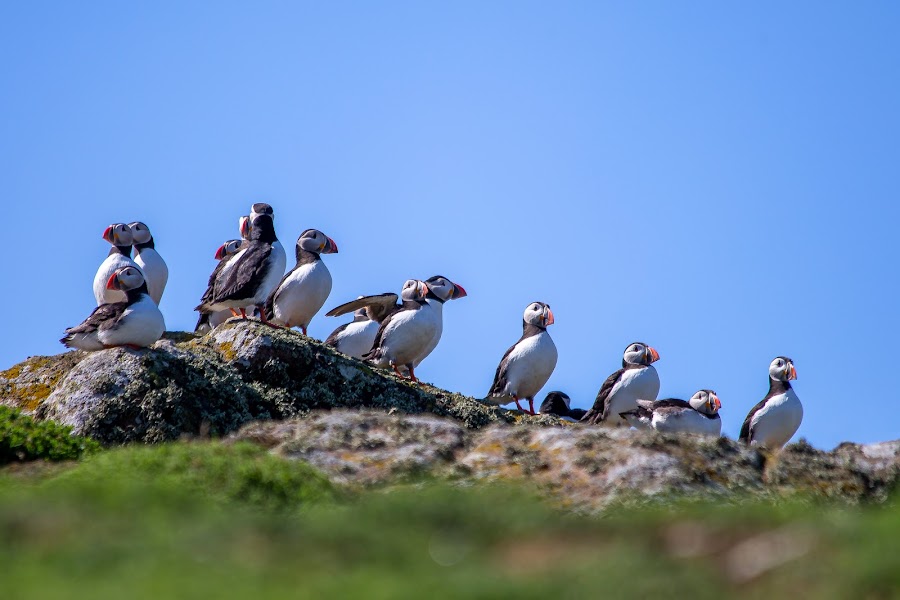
212	520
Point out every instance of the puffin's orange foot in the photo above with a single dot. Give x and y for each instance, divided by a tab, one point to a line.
234	313
519	406
531	406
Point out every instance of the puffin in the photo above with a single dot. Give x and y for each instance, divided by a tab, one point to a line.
120	237
405	329
253	272
369	312
135	322
776	418
440	290
261	208
637	379
148	259
559	404
700	414
528	363
224	253
303	291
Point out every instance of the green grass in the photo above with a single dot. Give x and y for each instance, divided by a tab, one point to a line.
205	520
24	439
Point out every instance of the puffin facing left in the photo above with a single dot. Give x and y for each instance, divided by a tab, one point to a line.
135	322
120	237
148	259
528	363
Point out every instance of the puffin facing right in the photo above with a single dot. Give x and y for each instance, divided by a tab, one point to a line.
700	414
528	363
777	417
636	380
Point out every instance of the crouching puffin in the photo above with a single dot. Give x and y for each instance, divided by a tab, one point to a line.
528	363
559	404
148	259
773	421
251	275
637	379
369	312
119	235
135	322
224	253
303	291
700	414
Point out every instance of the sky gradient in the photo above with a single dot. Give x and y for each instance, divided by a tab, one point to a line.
718	181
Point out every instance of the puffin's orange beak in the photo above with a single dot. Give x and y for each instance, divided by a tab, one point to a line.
458	291
548	318
332	247
245	227
654	355
113	282
107	234
792	372
220	253
717	403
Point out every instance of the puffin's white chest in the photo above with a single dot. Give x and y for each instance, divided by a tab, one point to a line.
109	266
302	294
357	338
685	421
438	307
155	272
408	334
633	385
530	365
777	421
141	325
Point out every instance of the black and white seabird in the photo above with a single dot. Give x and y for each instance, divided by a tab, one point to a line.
356	337
148	259
261	208
528	363
440	290
254	272
135	322
120	236
636	380
559	404
773	421
303	291
224	253
700	414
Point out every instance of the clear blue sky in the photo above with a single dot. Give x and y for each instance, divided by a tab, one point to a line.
718	180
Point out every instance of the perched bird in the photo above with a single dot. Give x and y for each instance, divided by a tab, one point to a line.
559	404
777	417
406	330
119	235
148	259
253	273
303	291
440	290
369	312
224	253
135	322
261	208
700	414
637	379
528	363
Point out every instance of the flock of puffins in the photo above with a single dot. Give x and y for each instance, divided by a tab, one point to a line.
396	331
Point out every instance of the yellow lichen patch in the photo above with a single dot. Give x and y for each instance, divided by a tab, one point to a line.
227	351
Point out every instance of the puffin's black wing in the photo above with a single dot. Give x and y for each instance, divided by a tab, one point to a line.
577	413
245	275
500	375
211	284
103	317
378	306
332	340
671	403
745	428
600	408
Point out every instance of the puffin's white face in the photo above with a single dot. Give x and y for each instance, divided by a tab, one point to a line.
445	289
229	248
140	233
261	208
118	234
414	289
782	369
706	401
313	240
244	227
124	279
640	354
539	315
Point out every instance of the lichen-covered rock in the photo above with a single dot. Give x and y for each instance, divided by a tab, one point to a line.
243	370
580	466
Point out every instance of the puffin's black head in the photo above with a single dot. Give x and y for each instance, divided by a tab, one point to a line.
539	315
639	353
229	248
129	280
118	234
706	401
442	289
313	240
262	228
556	403
782	369
141	234
261	208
